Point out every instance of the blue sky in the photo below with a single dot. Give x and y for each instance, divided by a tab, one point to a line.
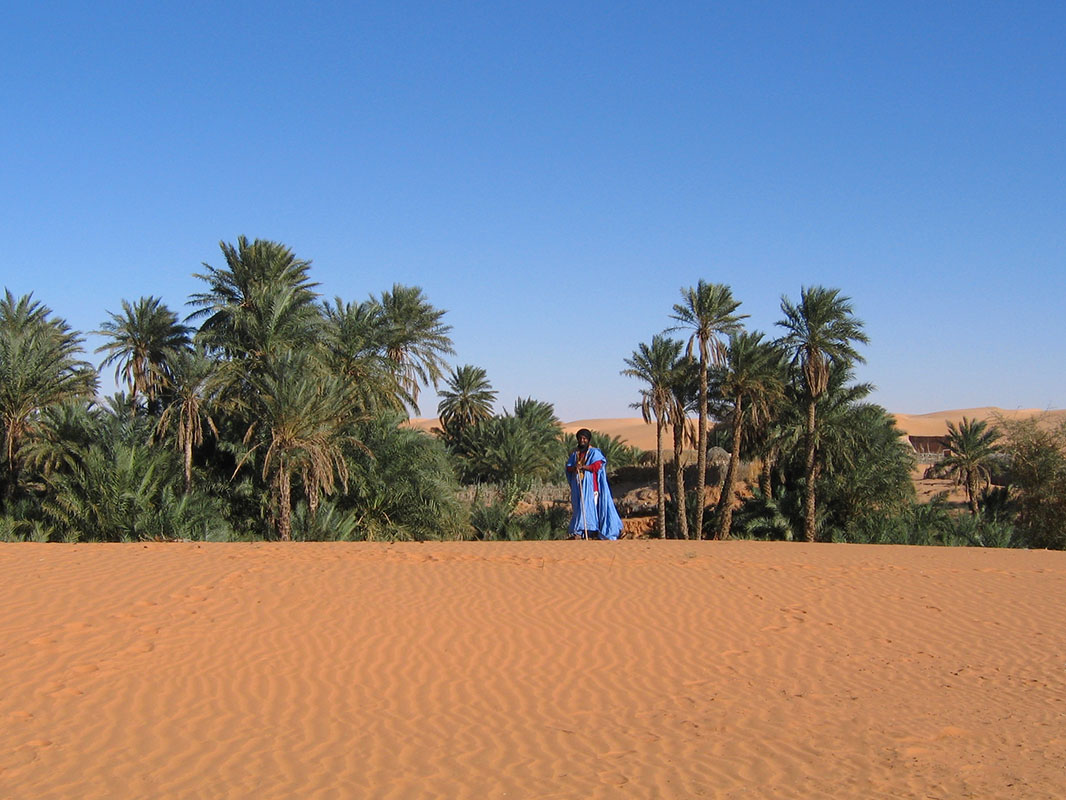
554	173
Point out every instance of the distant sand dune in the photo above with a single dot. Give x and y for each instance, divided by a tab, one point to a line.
640	434
531	669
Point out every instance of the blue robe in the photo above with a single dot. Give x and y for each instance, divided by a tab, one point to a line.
600	514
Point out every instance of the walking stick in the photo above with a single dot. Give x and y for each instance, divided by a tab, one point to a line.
580	463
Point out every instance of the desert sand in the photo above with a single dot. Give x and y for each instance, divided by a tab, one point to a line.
531	669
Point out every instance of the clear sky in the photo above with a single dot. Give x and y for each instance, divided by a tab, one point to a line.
553	173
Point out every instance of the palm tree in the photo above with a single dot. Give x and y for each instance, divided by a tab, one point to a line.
466	402
821	331
39	367
654	365
684	397
303	423
144	340
415	339
193	375
262	301
708	310
355	350
752	380
522	446
970	453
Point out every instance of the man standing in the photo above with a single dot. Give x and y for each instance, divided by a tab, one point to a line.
594	514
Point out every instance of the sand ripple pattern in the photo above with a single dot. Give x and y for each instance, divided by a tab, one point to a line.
531	670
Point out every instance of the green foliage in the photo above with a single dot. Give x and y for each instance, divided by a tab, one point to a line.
142	343
39	367
329	523
772	518
466	402
493	515
261	302
125	491
402	486
526	445
1037	457
970	453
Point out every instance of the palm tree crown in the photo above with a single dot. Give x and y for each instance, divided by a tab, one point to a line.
971	452
820	330
39	367
415	338
261	301
467	401
144	341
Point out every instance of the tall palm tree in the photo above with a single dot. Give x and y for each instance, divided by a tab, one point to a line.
752	379
467	401
709	312
262	301
820	331
416	340
654	365
971	451
144	341
39	367
186	410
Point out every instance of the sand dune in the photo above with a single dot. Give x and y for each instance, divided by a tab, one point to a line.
640	434
550	669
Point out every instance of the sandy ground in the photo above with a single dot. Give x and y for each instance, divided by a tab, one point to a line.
531	669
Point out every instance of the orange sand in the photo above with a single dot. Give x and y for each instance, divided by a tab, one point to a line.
539	669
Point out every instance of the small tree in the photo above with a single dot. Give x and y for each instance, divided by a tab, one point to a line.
970	453
654	365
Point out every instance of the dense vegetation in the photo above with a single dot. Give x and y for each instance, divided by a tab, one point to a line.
830	465
280	417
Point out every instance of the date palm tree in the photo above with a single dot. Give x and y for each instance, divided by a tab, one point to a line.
262	301
467	401
752	380
708	310
39	367
144	341
654	365
193	379
354	341
303	422
971	451
820	331
684	395
415	339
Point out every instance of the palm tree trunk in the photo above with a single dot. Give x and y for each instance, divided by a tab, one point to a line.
10	448
679	478
187	447
284	489
701	448
764	474
725	502
661	495
809	509
971	493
